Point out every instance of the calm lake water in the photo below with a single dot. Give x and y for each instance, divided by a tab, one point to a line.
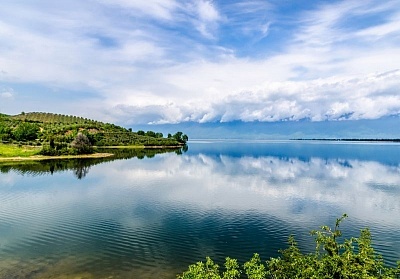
151	215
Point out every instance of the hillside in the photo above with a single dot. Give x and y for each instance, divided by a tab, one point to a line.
40	128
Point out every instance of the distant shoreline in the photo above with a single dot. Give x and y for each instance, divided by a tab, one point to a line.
351	140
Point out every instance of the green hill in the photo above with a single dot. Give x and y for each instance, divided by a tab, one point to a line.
41	128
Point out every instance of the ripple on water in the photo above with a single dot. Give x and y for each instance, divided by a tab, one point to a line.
132	232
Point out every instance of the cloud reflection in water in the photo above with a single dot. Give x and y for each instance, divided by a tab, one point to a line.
170	210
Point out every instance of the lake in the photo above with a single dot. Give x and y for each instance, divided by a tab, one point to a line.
150	215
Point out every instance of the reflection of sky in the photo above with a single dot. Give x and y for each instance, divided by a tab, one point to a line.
365	189
207	193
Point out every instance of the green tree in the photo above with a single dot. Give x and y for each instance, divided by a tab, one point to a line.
151	134
5	132
180	137
51	143
26	131
210	270
159	135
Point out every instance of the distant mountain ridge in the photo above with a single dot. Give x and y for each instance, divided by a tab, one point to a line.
383	128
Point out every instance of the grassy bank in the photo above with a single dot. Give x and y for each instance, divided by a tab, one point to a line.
41	157
14	150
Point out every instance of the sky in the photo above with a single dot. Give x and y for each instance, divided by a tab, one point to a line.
168	61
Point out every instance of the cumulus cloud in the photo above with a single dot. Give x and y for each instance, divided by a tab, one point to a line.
336	98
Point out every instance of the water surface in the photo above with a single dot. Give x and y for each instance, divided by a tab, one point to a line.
151	216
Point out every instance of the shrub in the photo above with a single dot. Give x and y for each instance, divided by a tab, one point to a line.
351	259
47	150
81	144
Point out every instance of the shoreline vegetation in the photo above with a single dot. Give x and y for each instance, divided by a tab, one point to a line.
21	153
333	258
78	164
43	136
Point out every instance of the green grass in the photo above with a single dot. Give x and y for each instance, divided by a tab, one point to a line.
12	150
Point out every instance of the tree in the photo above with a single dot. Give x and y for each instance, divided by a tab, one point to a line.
180	137
140	133
81	144
159	135
26	131
52	145
151	134
5	132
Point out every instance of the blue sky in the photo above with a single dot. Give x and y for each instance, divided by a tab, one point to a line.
168	61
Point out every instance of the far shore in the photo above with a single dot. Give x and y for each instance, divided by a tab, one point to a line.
349	139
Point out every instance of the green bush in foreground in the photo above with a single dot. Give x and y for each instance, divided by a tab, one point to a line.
352	258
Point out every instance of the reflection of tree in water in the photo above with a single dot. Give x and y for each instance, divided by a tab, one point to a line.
182	150
80	167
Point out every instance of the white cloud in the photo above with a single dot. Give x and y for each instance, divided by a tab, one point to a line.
7	93
205	18
162	9
250	18
207	11
166	61
335	98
